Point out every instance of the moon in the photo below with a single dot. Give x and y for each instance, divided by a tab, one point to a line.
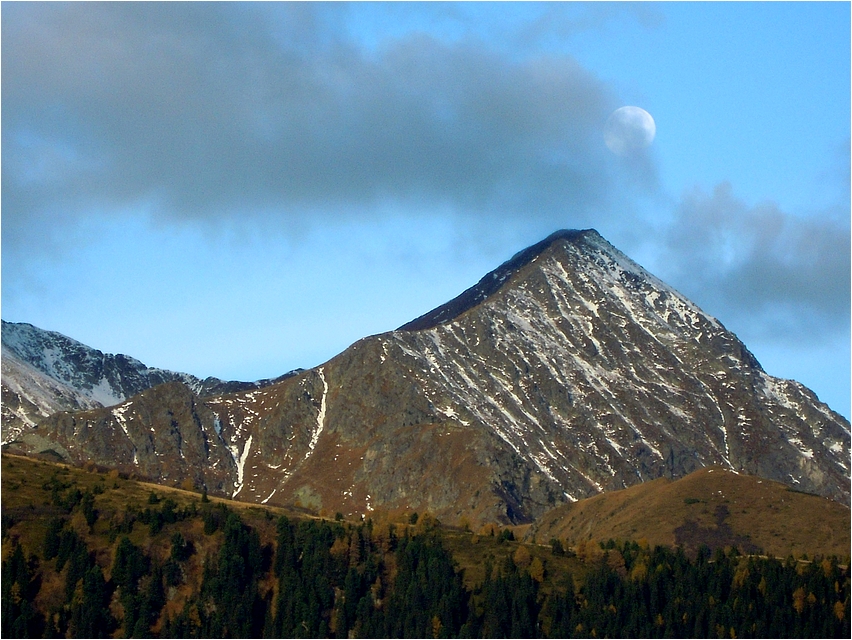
629	130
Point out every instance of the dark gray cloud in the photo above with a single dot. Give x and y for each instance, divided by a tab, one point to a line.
215	110
210	111
788	276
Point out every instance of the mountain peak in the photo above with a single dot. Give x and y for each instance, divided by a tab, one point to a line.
494	281
567	371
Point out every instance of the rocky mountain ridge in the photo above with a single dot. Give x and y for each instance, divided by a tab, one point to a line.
566	372
45	372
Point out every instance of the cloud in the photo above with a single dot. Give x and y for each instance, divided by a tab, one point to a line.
786	276
203	111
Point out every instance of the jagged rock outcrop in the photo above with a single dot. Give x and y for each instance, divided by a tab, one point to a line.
160	426
568	371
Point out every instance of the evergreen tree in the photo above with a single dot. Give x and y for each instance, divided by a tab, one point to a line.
90	615
19	619
230	584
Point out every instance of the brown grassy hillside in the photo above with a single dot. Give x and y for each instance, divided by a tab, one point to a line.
712	506
27	507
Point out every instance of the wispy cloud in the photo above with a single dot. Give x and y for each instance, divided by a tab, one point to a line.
561	20
787	275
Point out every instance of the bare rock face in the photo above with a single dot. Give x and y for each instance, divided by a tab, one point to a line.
566	372
163	433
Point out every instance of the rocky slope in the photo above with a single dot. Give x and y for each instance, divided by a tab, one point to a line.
566	372
45	372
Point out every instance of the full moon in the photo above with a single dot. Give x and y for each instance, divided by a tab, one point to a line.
628	130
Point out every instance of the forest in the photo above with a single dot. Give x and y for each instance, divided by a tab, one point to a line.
201	568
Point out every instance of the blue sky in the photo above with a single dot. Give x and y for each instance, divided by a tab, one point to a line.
238	190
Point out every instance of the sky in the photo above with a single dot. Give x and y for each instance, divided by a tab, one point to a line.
238	190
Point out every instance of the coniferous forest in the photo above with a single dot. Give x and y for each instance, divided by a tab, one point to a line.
193	567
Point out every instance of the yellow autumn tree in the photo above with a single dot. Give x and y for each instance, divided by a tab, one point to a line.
537	569
799	600
522	557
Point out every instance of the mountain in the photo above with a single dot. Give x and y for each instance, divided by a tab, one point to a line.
45	372
566	372
714	507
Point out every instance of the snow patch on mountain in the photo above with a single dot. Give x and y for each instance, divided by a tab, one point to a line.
320	415
241	464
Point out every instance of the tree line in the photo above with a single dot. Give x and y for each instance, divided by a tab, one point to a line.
333	579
